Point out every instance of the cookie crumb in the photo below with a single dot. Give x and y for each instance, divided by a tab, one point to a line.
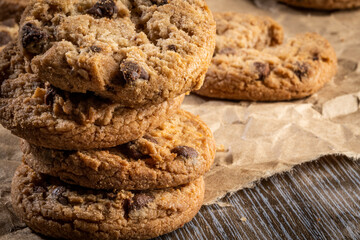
221	148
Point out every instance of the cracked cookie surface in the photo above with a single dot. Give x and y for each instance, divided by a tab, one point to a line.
323	4
132	52
56	209
294	70
49	117
179	151
234	30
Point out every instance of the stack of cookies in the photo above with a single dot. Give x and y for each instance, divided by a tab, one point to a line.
94	89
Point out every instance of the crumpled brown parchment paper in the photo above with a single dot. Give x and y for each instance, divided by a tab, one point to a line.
262	139
259	139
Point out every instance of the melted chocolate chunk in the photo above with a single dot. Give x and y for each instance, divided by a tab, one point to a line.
139	201
50	94
263	70
227	51
159	2
132	151
33	39
4	38
103	8
172	47
315	57
58	195
150	139
132	71
301	71
95	49
39	189
186	152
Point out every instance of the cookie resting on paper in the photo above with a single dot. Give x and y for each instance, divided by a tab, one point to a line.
323	4
55	209
293	70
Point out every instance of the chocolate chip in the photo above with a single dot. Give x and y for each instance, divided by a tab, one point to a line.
103	8
263	70
58	191
150	139
131	150
172	47
301	71
227	51
186	152
132	71
39	189
159	2
139	201
58	195
4	38
33	39
110	88
95	49
50	94
316	57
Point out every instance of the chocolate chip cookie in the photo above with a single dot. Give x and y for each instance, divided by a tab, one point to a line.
12	9
55	209
234	31
323	4
291	71
179	151
8	32
132	52
49	117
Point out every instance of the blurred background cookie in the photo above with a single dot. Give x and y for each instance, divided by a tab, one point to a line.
323	4
8	32
12	9
266	73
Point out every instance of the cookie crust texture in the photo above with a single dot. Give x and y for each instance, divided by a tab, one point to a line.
179	151
324	4
122	50
55	209
271	72
51	118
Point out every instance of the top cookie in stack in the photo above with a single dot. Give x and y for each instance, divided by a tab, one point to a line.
131	52
94	74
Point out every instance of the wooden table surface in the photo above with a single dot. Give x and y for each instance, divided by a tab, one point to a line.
317	200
